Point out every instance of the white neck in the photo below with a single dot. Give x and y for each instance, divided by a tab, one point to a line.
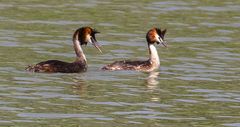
154	58
78	49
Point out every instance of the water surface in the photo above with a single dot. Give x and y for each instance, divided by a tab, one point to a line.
197	84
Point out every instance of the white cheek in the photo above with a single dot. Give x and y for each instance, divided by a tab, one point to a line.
159	38
88	38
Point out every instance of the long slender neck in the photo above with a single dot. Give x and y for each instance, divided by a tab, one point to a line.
78	48
154	58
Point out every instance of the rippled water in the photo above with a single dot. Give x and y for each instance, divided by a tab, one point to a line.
197	85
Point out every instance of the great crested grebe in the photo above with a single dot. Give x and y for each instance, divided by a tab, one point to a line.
81	36
154	35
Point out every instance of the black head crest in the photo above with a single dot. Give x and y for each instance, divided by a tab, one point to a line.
161	33
95	31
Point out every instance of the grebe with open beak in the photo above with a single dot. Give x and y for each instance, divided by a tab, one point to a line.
81	36
154	35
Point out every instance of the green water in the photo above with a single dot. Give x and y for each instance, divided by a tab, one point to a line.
198	83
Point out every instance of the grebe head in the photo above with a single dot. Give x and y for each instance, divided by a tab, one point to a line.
156	35
87	35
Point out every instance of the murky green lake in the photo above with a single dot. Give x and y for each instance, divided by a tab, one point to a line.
198	83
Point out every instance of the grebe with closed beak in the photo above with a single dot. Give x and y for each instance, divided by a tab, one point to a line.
81	36
154	35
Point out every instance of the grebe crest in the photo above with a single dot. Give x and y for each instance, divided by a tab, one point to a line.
81	36
154	35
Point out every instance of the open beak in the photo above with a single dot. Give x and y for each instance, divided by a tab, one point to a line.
162	42
95	44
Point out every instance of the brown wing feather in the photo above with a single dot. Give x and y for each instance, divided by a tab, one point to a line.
58	66
128	65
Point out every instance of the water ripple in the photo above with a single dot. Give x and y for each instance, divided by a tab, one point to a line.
232	124
200	39
59	116
140	113
150	105
220	9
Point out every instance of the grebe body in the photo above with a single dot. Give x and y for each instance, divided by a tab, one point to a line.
154	35
81	36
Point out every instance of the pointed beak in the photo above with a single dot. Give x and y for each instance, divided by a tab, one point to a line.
95	44
164	43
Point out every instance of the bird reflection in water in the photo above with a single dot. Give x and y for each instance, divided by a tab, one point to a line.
152	84
79	87
152	80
